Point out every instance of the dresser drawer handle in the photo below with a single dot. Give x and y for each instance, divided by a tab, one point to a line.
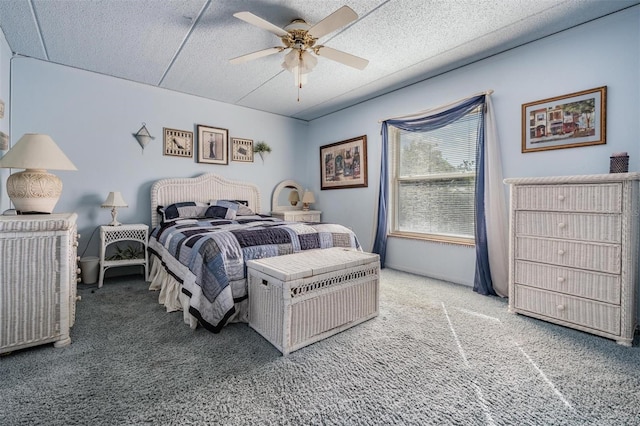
561	252
561	307
561	279
561	225
561	197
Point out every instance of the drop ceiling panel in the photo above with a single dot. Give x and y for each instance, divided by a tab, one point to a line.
20	29
135	40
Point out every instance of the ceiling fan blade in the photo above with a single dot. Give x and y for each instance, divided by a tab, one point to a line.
261	23
342	57
337	19
256	55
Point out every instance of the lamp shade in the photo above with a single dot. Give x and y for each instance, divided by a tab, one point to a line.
307	198
294	197
35	190
36	151
114	199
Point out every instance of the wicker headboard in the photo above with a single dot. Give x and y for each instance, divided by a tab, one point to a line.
202	188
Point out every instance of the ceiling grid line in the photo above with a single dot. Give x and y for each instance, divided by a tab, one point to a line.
184	41
39	30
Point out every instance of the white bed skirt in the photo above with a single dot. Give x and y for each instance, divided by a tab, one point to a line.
172	298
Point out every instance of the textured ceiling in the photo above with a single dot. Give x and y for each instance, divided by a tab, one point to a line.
186	45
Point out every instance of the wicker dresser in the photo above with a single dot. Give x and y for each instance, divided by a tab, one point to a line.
38	269
574	252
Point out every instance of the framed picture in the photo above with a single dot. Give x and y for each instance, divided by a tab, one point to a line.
178	143
213	145
569	121
344	164
242	150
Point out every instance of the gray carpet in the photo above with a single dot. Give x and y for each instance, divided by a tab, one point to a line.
438	354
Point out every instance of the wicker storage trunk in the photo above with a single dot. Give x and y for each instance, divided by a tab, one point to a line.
301	298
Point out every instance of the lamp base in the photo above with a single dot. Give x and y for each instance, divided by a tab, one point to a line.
114	218
34	191
305	206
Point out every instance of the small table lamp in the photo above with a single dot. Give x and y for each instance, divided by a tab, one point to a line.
114	200
307	199
35	190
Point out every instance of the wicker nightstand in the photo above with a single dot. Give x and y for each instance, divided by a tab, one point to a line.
138	233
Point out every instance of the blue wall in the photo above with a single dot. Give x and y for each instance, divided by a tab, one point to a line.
605	52
92	118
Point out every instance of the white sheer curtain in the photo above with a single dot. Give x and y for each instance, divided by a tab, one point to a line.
497	220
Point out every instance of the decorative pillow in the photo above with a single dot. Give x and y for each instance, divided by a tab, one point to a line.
184	210
221	212
241	207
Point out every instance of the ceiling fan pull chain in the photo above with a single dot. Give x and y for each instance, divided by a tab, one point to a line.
299	77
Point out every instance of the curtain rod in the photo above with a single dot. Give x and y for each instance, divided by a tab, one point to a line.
487	92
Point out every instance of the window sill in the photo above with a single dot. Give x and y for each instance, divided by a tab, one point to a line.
442	239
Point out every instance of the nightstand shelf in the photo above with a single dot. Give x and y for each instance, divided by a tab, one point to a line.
298	215
137	233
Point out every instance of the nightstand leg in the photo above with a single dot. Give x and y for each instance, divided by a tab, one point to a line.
101	276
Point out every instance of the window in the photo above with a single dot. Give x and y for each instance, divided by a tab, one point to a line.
433	181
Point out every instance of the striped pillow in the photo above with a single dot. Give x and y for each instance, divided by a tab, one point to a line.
184	210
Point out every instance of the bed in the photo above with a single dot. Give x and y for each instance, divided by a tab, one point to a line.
198	250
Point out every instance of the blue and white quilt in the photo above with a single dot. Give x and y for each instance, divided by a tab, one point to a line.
208	256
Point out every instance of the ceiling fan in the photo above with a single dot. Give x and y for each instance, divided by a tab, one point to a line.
300	39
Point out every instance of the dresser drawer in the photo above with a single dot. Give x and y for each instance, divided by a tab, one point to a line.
587	313
601	197
575	282
576	254
574	226
305	217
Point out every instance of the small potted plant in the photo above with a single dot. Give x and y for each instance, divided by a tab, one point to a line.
262	148
127	253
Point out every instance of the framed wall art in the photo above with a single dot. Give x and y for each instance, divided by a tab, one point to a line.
213	145
178	143
344	164
568	121
242	150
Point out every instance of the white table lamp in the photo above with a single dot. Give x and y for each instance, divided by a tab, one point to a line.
35	190
307	199
114	200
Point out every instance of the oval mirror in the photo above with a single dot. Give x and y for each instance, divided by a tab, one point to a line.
287	195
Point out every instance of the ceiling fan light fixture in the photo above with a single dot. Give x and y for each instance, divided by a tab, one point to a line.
308	60
301	38
302	59
291	60
299	63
